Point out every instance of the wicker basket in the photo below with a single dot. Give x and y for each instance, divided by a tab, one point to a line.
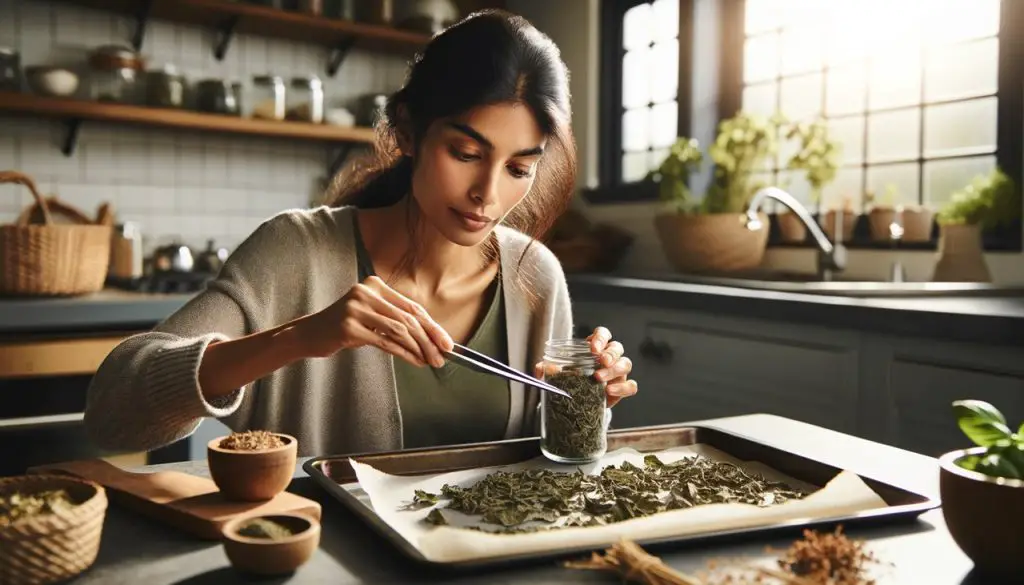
51	259
712	243
52	547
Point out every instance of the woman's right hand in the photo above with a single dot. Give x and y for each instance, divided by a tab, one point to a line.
372	313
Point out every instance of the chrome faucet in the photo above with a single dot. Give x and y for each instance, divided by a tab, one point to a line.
831	257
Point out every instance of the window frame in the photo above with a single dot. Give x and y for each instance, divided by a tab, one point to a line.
611	188
1010	108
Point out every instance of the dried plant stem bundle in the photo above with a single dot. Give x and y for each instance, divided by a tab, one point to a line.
634	564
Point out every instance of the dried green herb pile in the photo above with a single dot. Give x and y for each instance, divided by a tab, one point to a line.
16	506
574	427
263	528
252	441
510	500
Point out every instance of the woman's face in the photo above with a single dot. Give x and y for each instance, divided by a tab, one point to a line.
472	170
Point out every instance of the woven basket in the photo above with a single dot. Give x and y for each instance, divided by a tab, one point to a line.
711	243
52	547
51	259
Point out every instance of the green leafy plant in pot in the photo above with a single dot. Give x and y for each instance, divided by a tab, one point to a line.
982	489
710	235
818	156
987	202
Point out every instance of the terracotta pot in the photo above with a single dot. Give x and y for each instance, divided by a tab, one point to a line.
879	220
961	256
983	515
252	476
791	228
264	556
718	242
917	224
828	224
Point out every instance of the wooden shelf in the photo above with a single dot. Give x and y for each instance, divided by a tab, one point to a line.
76	111
236	17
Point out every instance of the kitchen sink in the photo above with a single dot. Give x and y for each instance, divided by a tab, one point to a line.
804	283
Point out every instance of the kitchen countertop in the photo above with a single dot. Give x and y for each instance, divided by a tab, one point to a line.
136	550
995	320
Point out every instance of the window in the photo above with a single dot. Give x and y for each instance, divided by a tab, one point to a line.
643	107
910	88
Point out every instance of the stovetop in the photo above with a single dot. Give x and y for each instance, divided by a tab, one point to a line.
164	282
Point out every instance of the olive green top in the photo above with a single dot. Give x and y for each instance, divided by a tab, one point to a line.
432	399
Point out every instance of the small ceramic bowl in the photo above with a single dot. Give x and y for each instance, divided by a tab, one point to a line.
983	515
252	476
51	81
266	556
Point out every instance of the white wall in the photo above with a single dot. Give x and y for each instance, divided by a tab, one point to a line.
173	183
574	24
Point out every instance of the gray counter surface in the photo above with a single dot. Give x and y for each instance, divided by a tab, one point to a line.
136	550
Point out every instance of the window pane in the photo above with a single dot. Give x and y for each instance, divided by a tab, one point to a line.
893	135
664	124
845	91
655	157
635	125
962	71
895	80
760	99
636	74
801	96
849	133
664	71
960	128
761	58
634	166
762	15
943	177
801	49
901	176
795	183
961	19
665	16
847	185
636	27
844	38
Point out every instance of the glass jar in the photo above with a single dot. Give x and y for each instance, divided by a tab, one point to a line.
113	74
573	430
268	97
306	100
10	69
166	88
216	96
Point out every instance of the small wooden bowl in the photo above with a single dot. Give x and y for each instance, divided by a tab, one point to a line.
983	515
252	476
264	556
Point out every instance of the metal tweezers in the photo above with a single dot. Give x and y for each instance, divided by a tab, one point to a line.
476	360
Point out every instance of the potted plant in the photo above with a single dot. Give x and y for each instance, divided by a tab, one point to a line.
882	213
818	156
849	220
982	490
986	202
710	235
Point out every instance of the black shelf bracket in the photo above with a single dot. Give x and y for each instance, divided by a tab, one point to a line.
71	138
141	20
338	55
224	35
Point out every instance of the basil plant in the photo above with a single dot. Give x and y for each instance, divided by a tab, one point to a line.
986	427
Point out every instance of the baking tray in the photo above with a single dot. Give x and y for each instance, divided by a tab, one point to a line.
335	474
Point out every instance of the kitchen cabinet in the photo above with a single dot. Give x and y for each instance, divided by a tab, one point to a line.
694	365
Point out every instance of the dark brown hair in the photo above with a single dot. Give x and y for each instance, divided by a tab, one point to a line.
490	57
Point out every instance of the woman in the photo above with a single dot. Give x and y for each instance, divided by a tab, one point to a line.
428	243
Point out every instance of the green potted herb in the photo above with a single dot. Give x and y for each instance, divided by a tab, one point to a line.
818	157
987	202
982	489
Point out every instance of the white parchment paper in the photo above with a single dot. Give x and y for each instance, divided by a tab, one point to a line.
390	495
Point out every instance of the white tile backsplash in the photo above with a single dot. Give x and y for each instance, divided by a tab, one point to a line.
174	183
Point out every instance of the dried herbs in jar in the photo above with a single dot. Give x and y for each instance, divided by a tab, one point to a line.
574	429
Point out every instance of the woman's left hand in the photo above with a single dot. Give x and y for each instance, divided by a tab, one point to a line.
616	367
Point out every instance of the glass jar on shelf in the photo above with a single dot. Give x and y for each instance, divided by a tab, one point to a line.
573	430
306	100
10	69
268	97
114	72
166	88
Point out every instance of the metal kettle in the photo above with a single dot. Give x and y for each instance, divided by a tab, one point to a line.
175	257
211	260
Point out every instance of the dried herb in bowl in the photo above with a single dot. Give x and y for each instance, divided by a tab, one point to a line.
17	506
264	528
252	441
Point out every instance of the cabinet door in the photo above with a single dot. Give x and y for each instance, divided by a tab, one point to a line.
924	378
708	366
